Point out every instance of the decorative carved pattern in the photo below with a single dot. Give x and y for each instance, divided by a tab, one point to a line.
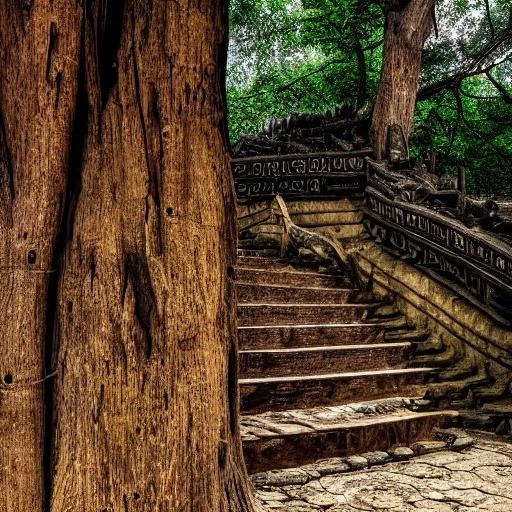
477	262
319	174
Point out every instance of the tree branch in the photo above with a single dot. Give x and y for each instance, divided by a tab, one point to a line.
287	86
489	19
434	19
475	97
440	120
478	133
475	67
361	64
507	98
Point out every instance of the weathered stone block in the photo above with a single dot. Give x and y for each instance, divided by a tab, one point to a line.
401	453
375	458
357	462
423	447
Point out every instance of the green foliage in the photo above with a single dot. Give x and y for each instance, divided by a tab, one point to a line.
291	56
469	123
467	132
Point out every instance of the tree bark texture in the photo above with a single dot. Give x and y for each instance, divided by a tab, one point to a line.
408	23
113	152
40	46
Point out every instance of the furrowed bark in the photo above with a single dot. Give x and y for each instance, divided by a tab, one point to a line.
146	400
408	23
40	44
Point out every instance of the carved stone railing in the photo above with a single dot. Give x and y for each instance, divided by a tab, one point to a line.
307	175
321	245
480	263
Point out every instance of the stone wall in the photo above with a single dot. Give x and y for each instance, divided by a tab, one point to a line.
471	348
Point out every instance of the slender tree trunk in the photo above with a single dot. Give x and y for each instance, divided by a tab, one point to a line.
408	23
39	43
363	76
146	401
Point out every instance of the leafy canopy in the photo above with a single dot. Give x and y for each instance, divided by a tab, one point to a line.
289	56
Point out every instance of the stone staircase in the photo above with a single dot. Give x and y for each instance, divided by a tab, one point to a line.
324	369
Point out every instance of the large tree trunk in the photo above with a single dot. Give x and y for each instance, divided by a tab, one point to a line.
40	46
146	405
146	401
408	24
112	117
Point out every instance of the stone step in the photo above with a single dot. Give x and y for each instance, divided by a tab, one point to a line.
290	278
321	360
262	246
282	393
303	264
264	263
290	336
386	312
412	335
258	252
275	293
292	314
297	437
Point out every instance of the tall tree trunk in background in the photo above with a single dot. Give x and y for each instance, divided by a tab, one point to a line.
408	24
363	75
40	46
146	401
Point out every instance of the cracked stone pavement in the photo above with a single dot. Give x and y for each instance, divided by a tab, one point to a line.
479	478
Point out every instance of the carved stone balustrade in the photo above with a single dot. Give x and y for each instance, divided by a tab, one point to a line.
296	176
478	262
